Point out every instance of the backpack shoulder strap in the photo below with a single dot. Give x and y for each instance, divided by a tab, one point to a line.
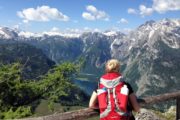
122	80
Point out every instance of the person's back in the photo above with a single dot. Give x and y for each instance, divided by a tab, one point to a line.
114	95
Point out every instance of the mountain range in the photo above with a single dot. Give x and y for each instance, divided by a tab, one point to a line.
152	57
149	55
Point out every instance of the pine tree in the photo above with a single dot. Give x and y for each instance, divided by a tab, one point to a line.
17	95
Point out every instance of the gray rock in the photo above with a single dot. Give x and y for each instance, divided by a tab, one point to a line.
147	115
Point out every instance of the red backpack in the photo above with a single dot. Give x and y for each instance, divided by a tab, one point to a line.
113	97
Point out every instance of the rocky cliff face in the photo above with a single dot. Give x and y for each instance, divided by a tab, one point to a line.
153	57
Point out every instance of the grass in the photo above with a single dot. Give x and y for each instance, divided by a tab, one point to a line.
42	109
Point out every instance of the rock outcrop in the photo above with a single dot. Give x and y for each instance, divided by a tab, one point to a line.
147	115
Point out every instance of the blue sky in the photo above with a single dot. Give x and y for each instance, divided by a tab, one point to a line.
46	15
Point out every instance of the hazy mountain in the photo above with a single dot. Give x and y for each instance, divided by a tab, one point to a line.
58	48
93	46
34	61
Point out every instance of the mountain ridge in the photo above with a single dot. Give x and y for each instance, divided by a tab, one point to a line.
33	60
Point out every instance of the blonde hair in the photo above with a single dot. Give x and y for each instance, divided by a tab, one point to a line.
112	65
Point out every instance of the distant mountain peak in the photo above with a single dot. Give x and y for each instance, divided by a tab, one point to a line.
150	22
7	33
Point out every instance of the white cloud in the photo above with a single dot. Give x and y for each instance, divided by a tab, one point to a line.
92	9
55	29
88	16
162	6
82	30
42	13
25	21
126	30
123	20
131	11
26	34
144	11
16	27
87	29
94	14
72	30
97	30
68	32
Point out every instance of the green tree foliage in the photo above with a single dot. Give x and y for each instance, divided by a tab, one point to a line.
20	112
57	85
17	95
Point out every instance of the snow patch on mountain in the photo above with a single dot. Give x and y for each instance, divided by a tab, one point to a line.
7	33
151	34
110	33
29	34
50	33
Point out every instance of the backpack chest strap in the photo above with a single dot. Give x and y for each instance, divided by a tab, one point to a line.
110	83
